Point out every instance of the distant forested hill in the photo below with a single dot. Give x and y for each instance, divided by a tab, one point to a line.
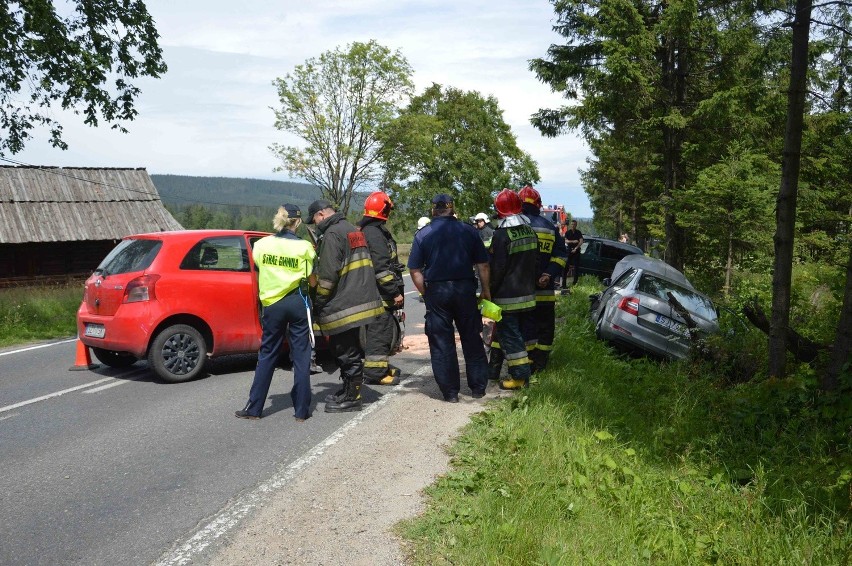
182	190
229	202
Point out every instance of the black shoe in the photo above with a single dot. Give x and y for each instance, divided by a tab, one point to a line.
343	406
453	399
336	397
478	394
246	415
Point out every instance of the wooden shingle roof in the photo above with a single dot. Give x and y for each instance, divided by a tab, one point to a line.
61	204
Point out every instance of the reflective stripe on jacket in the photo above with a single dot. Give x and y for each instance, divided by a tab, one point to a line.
514	253
347	296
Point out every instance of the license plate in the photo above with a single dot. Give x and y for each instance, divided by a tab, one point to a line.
95	330
670	324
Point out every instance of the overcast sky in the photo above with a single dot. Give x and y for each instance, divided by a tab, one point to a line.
210	114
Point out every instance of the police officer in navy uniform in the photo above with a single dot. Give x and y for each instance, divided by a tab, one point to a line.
285	263
346	298
552	258
441	263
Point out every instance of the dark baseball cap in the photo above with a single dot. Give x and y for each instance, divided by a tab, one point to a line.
442	200
315	207
293	211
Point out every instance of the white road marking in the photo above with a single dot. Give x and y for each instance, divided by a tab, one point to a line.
121	380
52	395
229	517
36	347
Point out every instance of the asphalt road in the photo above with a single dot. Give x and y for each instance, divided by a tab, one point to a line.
105	466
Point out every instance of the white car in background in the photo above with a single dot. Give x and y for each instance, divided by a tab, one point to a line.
636	310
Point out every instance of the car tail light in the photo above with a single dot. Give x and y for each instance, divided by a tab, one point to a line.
141	289
629	305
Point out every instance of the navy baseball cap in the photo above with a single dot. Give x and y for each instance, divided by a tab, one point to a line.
293	211
442	200
315	207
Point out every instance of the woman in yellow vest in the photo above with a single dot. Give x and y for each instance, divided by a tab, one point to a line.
285	265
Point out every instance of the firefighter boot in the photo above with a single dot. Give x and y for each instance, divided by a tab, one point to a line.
392	378
337	396
351	400
495	364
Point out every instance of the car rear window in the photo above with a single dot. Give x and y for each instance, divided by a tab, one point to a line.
129	256
695	303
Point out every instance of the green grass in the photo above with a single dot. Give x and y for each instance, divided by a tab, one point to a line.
612	460
38	313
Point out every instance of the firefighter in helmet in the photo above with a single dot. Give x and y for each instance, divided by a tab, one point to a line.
552	257
388	271
514	255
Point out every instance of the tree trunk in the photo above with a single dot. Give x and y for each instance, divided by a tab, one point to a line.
785	210
729	266
674	73
843	339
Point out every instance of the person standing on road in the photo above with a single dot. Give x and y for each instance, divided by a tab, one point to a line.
388	270
552	258
285	264
485	230
514	255
346	298
442	259
573	240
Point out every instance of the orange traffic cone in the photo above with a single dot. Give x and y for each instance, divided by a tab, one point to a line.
84	359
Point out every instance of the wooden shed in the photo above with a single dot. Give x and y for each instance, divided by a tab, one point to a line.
63	221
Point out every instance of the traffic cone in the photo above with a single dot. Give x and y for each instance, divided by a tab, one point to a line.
84	359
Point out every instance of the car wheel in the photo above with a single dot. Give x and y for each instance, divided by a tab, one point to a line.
114	359
599	326
178	353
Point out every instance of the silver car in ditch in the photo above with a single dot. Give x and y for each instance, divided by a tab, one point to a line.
636	311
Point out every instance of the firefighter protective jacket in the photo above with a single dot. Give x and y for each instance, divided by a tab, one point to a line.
552	253
347	296
514	254
386	264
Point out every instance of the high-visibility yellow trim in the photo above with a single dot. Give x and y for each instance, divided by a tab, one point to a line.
496	345
545	347
376	364
353	318
323	291
356	265
545	298
518	362
558	261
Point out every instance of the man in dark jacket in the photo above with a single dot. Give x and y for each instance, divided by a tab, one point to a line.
346	298
552	258
514	254
442	260
388	270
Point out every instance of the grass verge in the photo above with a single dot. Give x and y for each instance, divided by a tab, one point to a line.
613	460
38	313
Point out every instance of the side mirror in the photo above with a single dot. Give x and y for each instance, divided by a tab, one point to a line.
607	282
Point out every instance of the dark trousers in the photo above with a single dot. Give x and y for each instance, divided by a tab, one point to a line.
572	266
541	327
377	347
448	303
287	316
510	331
346	349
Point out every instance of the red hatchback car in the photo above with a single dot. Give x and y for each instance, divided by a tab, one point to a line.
175	298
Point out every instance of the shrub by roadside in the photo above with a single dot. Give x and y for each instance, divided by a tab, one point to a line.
38	313
612	460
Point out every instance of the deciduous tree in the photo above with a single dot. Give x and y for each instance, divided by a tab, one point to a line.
456	142
79	62
337	104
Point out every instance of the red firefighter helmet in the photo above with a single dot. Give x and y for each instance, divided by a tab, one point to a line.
378	205
507	202
530	196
